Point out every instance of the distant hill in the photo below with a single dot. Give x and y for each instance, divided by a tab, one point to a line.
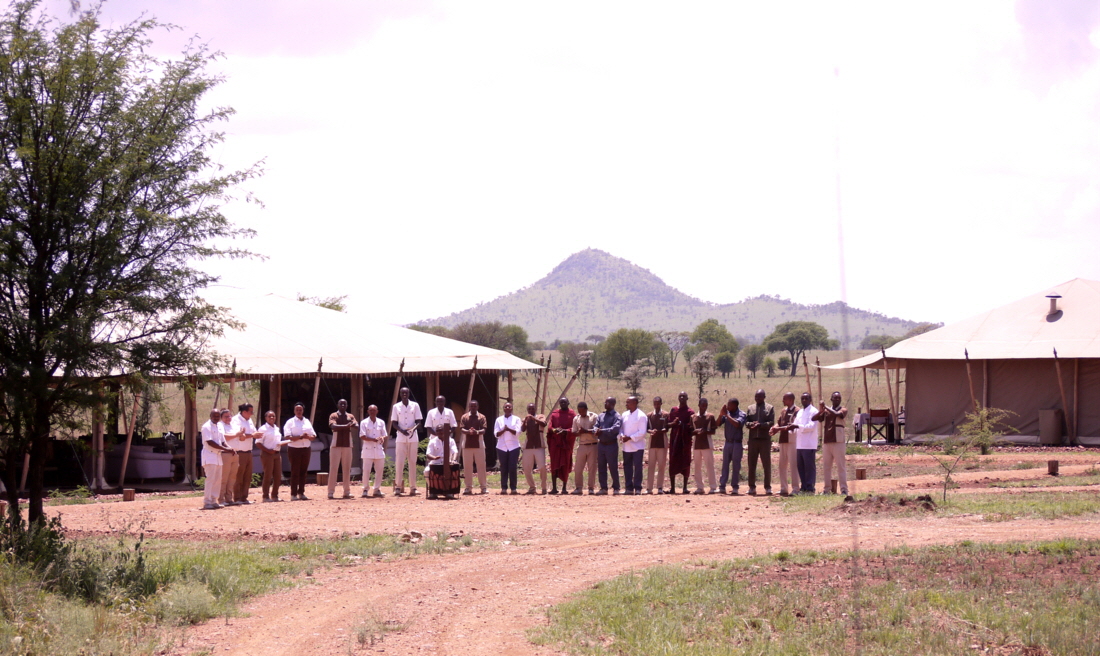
547	309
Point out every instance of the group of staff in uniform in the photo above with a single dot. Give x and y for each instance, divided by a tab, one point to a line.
674	441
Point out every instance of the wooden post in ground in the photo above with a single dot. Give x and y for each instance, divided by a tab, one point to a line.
316	389
128	494
189	429
1052	467
129	439
565	392
1076	398
861	474
1062	391
510	386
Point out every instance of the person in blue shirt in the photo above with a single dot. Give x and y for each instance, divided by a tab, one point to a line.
608	427
732	420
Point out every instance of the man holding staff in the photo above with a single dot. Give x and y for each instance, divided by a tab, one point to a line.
405	421
373	435
560	441
658	446
341	424
472	434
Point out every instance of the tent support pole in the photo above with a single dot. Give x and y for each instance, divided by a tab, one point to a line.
572	380
970	381
189	431
1062	391
897	387
129	439
316	389
509	386
985	383
806	368
545	385
232	384
820	390
866	391
538	382
1076	396
890	392
470	389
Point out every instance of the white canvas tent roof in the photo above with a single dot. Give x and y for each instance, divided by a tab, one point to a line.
1019	330
288	337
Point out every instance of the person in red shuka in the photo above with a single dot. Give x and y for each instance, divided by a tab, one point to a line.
560	439
681	431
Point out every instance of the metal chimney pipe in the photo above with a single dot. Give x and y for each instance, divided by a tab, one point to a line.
1053	304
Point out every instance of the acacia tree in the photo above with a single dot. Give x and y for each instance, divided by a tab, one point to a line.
702	368
753	358
674	341
108	202
797	337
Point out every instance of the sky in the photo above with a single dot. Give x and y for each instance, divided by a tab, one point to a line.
925	160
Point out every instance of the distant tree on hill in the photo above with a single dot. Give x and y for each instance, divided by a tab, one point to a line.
623	348
797	337
753	358
595	339
338	303
725	363
674	341
439	331
702	369
494	334
877	342
714	337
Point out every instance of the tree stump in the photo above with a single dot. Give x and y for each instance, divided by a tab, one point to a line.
861	474
322	478
1052	467
128	494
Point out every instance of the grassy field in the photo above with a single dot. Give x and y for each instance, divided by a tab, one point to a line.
994	507
130	596
1038	598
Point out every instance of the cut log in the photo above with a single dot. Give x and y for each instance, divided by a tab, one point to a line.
128	494
861	474
1052	467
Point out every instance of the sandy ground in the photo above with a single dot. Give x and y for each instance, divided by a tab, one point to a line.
548	548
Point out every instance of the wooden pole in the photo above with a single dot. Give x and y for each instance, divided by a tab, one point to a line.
232	384
866	391
889	391
397	387
897	388
806	368
985	383
545	385
1062	390
316	389
470	389
189	429
565	392
970	380
538	383
1076	397
510	386
820	391
129	439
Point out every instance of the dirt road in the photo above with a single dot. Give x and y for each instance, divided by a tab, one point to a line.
549	547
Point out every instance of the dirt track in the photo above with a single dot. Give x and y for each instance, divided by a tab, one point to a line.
483	602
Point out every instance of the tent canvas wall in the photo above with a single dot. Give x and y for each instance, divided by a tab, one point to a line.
1012	365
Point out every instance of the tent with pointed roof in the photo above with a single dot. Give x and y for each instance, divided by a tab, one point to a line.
1009	357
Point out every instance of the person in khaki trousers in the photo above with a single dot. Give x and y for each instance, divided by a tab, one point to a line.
242	423
341	423
584	427
704	425
788	463
658	447
271	457
230	461
534	449
472	427
834	444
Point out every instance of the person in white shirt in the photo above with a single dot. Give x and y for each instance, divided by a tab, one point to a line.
438	483
213	445
634	431
299	431
242	424
440	423
230	461
405	421
805	429
507	428
372	432
271	457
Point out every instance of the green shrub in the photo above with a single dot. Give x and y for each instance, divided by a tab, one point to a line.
186	602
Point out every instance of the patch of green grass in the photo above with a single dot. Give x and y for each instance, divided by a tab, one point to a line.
1026	464
1005	507
1060	481
854	449
933	600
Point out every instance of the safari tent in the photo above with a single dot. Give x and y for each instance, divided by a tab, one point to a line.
1005	358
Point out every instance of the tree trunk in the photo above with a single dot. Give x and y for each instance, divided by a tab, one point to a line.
11	482
39	446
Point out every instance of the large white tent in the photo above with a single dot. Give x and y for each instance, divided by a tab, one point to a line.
1005	358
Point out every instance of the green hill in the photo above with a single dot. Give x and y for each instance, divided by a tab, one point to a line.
547	309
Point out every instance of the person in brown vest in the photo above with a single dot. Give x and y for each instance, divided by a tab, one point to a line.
788	463
341	423
534	450
472	432
704	426
761	417
833	449
658	447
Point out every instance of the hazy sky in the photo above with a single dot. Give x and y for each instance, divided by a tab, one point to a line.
462	149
